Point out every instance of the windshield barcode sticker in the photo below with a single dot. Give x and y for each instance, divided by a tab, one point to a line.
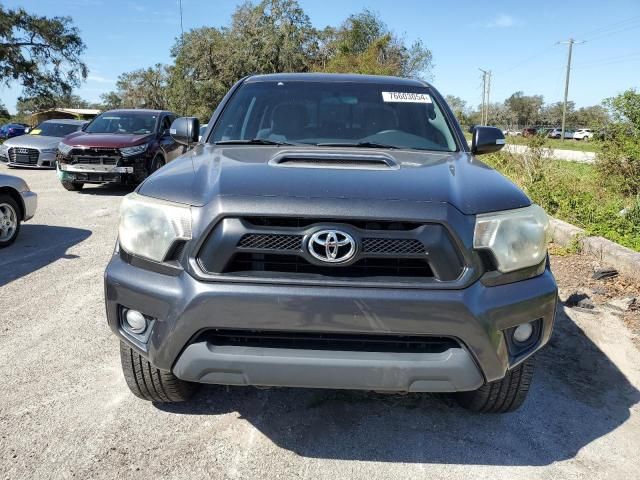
407	97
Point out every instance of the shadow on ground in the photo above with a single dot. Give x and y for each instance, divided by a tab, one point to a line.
578	396
107	190
37	246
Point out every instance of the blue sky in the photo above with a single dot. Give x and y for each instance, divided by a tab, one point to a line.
516	40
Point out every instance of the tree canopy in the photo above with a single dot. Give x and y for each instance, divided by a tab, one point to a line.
42	54
267	37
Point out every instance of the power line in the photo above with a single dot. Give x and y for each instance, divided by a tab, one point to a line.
610	26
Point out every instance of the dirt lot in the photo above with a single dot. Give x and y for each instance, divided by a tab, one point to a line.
65	411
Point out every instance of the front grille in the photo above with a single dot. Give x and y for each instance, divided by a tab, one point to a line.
84	160
95	156
24	156
378	246
96	177
330	341
392	246
261	241
367	267
276	248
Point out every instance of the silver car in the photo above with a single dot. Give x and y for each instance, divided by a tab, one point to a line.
38	148
17	204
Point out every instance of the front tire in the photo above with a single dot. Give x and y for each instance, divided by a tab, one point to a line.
9	220
157	163
501	396
150	383
73	186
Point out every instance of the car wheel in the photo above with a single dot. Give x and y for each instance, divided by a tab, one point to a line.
9	220
73	186
501	396
150	383
157	163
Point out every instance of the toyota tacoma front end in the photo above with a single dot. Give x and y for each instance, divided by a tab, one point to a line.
332	231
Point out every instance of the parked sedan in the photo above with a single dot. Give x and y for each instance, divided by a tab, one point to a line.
17	204
11	130
38	148
117	147
557	133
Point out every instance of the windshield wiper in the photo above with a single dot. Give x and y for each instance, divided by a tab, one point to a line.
358	145
253	141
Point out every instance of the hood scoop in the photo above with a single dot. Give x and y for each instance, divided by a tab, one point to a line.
334	160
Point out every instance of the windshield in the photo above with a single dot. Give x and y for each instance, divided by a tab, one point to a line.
123	123
335	114
53	129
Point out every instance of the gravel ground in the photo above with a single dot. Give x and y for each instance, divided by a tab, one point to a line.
65	410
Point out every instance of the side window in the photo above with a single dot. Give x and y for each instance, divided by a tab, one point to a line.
165	124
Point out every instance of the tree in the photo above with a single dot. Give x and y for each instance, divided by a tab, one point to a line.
28	105
272	36
552	114
593	117
364	44
41	53
146	87
619	159
268	37
526	109
459	108
4	113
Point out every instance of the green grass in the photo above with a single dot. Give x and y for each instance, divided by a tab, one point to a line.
568	144
573	192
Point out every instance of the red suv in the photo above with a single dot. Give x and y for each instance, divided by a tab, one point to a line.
118	146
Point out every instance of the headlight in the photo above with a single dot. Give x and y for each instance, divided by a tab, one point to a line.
4	150
130	151
64	149
517	238
149	227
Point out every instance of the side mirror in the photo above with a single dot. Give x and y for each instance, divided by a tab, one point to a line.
185	130
486	140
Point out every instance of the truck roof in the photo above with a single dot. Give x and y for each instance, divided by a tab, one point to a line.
336	77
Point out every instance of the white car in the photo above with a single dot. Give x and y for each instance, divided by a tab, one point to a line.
583	134
557	133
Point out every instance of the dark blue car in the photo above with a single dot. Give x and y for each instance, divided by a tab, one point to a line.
12	130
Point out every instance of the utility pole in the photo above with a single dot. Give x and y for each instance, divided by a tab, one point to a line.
570	42
484	93
486	122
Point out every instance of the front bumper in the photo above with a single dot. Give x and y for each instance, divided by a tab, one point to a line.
95	173
30	201
45	160
476	316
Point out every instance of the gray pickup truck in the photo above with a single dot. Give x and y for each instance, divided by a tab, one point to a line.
332	231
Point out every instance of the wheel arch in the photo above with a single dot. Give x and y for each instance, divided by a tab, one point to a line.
15	195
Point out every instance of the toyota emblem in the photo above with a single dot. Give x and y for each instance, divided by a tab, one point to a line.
332	246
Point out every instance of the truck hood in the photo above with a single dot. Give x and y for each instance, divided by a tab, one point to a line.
33	141
459	179
105	140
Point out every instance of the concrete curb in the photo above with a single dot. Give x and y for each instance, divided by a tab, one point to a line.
623	259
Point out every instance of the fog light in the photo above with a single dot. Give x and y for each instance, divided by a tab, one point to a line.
523	332
135	322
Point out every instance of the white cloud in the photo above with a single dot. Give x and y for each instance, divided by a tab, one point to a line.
502	21
99	79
